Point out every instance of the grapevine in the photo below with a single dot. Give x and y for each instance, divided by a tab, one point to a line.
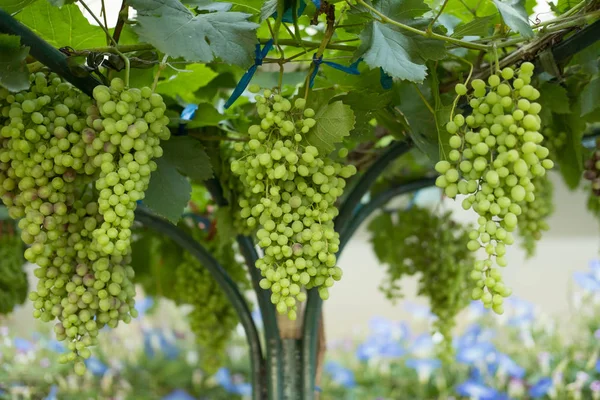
289	194
496	155
417	241
13	279
60	152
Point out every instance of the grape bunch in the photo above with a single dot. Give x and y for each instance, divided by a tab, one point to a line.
496	155
289	194
13	279
532	221
592	169
417	241
56	150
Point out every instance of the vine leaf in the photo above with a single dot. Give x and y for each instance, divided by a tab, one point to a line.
75	30
168	192
554	98
365	104
400	54
590	96
571	157
13	6
189	157
208	5
13	69
60	3
478	27
225	228
514	15
185	83
268	8
334	122
206	115
175	30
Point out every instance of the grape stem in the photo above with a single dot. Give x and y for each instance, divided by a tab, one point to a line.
114	42
433	21
455	102
387	20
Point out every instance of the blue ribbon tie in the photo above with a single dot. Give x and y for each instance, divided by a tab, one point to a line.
385	79
245	81
352	69
186	115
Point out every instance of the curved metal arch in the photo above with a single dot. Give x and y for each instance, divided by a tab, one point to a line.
238	302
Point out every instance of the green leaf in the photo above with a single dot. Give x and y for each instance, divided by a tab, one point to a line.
554	97
514	15
169	191
480	26
189	157
175	30
401	54
334	122
61	27
14	74
268	8
13	6
392	51
225	228
186	82
206	115
590	96
60	3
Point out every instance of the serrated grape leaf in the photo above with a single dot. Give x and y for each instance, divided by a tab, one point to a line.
169	192
268	8
363	104
480	26
13	6
206	115
208	5
189	157
334	122
554	97
590	96
65	26
514	15
186	82
175	30
400	54
14	74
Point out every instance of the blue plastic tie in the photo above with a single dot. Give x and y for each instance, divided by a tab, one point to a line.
352	69
245	81
186	116
386	80
288	15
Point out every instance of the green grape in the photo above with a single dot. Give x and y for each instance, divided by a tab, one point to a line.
501	161
287	194
58	178
434	246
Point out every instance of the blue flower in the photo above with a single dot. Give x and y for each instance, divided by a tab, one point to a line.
541	387
154	340
418	311
379	347
143	306
589	281
56	346
95	366
385	328
423	366
474	353
224	379
508	365
477	390
179	394
598	366
340	375
52	394
522	312
476	309
422	344
23	345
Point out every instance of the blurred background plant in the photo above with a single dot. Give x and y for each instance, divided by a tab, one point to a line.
523	354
